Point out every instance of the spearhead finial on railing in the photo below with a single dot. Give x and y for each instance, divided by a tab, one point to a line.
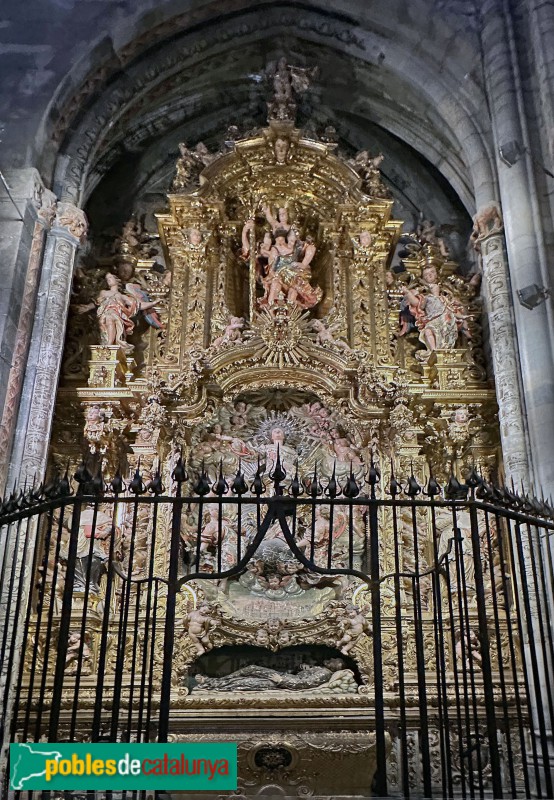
412	488
179	473
394	487
315	488
117	484
63	485
97	483
296	488
333	489
278	474
239	485
83	477
137	486
258	486
351	488
455	490
221	486
155	486
433	488
202	485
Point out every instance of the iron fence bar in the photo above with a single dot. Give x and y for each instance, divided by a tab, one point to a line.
517	595
534	661
501	673
485	655
49	626
444	722
470	663
172	589
9	594
82	631
512	647
138	593
5	668
40	589
65	622
380	787
148	720
400	655
420	664
150	588
545	631
457	692
103	649
125	600
463	643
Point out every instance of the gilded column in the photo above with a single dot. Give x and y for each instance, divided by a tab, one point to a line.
41	378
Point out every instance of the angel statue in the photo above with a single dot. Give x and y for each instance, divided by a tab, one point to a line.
189	165
439	317
115	311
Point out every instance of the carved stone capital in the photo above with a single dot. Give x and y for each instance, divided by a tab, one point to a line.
73	219
486	222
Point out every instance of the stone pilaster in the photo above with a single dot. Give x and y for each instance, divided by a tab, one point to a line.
534	328
505	357
41	378
45	204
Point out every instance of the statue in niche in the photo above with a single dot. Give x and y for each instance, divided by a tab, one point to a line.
344	449
438	315
115	311
90	563
278	445
289	272
332	675
72	654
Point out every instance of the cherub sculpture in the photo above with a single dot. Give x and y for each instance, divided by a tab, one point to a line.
355	625
199	623
325	338
232	333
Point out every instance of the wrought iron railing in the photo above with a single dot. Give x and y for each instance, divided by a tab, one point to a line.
457	584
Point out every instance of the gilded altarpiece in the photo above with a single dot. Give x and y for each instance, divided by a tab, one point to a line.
281	327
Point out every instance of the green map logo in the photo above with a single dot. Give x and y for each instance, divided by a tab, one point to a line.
109	767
